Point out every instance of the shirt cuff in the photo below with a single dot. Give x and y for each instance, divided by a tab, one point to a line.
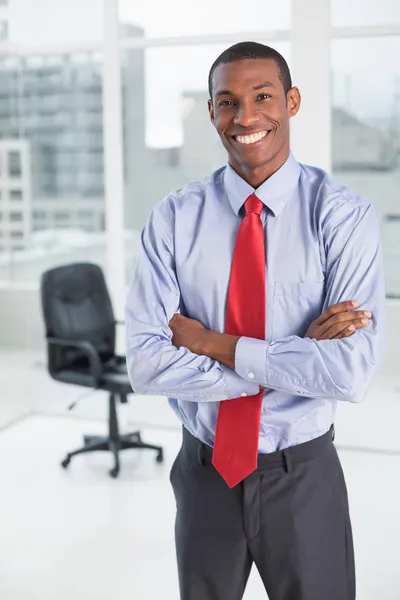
250	360
236	387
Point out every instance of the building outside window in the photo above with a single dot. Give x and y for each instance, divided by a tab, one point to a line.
14	164
15	194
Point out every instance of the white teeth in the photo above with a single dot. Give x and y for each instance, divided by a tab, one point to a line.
251	139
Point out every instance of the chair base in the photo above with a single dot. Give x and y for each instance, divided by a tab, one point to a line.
125	442
114	442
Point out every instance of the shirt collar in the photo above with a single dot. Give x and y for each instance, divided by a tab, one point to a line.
274	192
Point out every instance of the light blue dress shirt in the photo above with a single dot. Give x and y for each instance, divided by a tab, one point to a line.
322	247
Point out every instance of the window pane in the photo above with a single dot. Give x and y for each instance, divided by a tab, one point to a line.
366	132
364	12
15	216
3	31
14	164
180	18
49	22
169	139
51	137
15	194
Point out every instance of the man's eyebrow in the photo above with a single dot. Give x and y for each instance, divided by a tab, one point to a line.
224	93
263	85
260	86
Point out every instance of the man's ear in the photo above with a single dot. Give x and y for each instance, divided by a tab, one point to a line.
293	101
211	111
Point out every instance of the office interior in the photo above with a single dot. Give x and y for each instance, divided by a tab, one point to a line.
103	112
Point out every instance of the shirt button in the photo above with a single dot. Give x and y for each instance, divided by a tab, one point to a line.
251	375
243	394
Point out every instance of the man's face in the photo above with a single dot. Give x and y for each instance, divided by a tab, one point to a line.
251	113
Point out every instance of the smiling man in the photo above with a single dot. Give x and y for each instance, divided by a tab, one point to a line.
257	304
257	141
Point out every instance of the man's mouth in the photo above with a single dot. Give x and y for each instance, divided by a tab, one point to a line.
252	138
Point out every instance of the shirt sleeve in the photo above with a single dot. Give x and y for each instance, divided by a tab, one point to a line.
338	368
155	365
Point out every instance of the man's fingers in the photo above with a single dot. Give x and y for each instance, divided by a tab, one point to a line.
343	329
348	316
345	318
341	307
345	333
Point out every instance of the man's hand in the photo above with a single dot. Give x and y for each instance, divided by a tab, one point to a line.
338	321
188	333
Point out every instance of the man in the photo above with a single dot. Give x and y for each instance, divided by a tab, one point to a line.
223	318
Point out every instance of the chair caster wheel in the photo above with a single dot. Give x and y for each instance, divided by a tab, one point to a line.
160	457
114	473
65	462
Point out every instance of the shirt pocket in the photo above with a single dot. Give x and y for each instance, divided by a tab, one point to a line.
295	306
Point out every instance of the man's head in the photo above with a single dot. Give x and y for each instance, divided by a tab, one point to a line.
251	103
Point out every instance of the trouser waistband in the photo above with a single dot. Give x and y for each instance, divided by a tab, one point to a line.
285	459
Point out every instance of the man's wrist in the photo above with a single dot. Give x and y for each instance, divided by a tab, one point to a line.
219	346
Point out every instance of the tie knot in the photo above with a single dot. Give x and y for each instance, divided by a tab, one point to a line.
253	205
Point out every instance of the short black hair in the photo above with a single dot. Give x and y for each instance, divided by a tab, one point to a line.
251	51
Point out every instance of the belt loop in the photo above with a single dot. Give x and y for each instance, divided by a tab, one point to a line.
287	460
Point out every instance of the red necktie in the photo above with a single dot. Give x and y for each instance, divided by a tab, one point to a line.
238	425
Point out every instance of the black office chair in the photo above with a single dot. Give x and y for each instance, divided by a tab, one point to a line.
80	331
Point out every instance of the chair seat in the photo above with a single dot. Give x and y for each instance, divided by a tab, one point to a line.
114	378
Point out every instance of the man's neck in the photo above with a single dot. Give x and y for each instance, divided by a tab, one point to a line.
256	177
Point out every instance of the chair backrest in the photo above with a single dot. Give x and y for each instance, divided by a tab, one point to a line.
76	306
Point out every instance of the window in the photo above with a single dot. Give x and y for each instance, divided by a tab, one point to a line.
63	21
366	132
177	18
39	214
3	31
17	235
364	12
14	164
85	215
52	119
61	216
15	194
15	217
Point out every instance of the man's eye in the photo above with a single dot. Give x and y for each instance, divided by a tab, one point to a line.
225	103
263	96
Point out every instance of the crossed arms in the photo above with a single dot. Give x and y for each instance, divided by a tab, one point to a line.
216	366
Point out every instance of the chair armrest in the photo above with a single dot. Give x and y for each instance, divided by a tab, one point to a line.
88	349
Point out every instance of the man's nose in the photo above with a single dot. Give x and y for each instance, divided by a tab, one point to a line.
246	115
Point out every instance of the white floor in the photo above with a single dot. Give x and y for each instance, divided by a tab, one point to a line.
79	535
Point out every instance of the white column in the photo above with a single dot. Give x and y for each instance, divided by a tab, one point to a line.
113	158
310	66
